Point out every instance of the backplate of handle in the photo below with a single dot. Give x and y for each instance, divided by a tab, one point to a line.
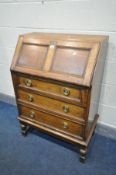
32	114
65	125
66	91
66	109
28	82
30	98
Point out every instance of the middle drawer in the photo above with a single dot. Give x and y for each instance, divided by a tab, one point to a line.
51	104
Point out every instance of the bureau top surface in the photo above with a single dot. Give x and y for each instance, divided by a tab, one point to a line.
62	57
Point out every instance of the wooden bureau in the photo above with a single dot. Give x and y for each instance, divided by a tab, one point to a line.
57	80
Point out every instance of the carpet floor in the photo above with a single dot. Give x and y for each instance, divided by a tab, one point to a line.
40	154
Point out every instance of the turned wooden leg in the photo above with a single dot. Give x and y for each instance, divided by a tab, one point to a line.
83	152
24	129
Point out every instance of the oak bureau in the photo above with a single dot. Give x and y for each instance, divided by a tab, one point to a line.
57	81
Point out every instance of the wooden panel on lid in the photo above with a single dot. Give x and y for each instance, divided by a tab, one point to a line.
32	56
67	58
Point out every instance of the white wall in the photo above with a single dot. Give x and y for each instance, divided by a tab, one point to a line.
67	16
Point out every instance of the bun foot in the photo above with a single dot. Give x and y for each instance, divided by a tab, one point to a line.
83	152
24	129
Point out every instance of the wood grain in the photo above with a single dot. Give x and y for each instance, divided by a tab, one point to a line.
52	121
51	104
56	84
78	94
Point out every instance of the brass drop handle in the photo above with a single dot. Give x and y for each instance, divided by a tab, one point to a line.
66	109
28	82
65	125
30	98
32	114
66	91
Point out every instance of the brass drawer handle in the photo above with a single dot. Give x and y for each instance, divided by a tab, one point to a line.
30	98
32	114
28	83
66	109
65	125
66	92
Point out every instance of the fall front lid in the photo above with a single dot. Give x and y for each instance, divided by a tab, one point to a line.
56	58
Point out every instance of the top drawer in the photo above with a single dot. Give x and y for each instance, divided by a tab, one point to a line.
77	95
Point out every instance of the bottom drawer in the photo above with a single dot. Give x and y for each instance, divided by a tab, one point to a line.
52	121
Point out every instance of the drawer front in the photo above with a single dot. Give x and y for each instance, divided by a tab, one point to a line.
51	104
51	121
76	94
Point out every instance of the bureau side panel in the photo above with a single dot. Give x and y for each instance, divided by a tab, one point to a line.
96	83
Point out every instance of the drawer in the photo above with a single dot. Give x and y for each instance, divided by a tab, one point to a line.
78	94
51	104
51	121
